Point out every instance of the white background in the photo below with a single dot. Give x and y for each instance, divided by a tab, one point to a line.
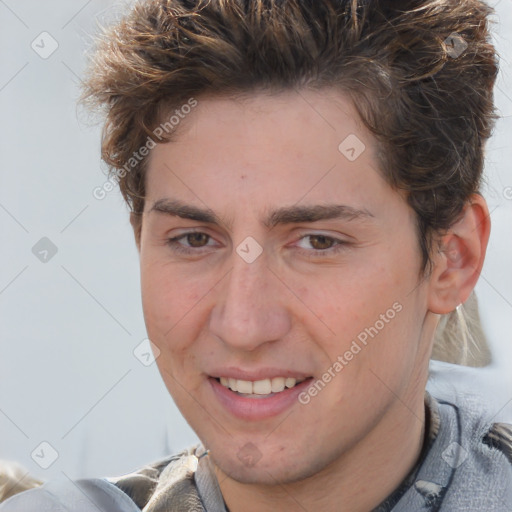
68	328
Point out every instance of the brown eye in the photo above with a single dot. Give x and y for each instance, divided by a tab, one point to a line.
320	242
318	245
194	243
197	239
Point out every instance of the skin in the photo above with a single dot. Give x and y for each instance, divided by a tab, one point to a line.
300	304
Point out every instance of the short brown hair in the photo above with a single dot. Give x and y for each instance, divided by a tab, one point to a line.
429	104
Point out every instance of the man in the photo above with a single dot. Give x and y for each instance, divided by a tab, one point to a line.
303	178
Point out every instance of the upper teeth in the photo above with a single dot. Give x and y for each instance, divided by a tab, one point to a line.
260	387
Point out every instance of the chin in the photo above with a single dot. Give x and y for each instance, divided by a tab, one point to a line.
268	472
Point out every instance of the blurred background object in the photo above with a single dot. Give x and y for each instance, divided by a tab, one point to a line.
14	479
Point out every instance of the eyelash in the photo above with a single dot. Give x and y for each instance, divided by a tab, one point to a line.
338	246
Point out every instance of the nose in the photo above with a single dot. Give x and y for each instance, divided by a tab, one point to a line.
249	309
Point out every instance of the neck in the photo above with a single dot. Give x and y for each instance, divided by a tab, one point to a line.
359	480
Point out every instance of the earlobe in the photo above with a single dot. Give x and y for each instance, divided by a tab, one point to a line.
136	222
459	261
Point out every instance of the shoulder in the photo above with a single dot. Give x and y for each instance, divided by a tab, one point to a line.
470	424
63	495
466	465
480	433
142	483
499	437
475	455
167	484
470	419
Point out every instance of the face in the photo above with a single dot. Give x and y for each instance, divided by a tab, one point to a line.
274	254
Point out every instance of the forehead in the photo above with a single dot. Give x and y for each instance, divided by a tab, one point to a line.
323	113
283	148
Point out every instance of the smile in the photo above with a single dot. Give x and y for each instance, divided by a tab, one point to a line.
260	388
256	400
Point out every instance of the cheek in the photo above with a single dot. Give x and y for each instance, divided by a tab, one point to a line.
170	301
371	306
348	301
165	285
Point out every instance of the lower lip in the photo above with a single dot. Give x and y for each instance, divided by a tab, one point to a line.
255	409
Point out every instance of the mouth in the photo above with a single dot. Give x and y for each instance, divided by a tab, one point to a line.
264	388
260	399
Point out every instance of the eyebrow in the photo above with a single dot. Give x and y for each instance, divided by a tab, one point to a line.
284	215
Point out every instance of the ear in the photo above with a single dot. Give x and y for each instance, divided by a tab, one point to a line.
136	222
459	261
